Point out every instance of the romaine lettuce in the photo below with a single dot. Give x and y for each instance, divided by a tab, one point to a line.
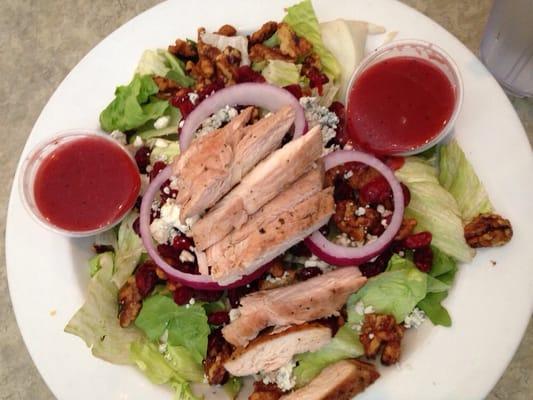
133	105
458	177
128	251
281	73
148	131
434	208
96	321
302	19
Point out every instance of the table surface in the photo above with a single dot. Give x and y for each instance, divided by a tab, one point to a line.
43	40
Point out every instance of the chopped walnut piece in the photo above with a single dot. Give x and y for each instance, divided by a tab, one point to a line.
260	52
406	228
183	49
290	44
280	276
227	63
218	352
167	87
206	50
264	33
356	226
488	230
382	331
227	30
263	391
129	302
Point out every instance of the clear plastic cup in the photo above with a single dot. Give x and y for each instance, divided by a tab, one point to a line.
31	165
430	53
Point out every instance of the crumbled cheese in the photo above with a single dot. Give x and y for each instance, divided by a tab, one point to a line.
215	121
282	377
371	336
369	310
360	211
149	168
314	261
234	313
173	182
160	231
138	142
315	114
166	190
192	301
371	238
163	348
384	223
272	279
401	253
380	209
344	240
360	308
181	123
162	228
193	97
162	122
348	174
161	143
119	136
186	256
415	318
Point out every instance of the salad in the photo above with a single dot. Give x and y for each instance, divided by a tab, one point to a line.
266	246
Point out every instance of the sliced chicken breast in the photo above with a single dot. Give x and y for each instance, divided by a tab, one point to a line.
270	351
340	381
262	184
219	160
262	240
316	298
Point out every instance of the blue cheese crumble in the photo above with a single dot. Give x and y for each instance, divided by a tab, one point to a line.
415	318
163	227
282	377
315	114
215	121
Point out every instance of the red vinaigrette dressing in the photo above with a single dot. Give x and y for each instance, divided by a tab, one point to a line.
85	184
398	105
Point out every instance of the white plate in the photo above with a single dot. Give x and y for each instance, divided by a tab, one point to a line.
490	304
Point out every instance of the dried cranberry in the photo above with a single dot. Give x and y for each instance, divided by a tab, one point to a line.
182	242
306	273
341	136
406	195
423	258
182	295
373	268
171	256
184	103
396	246
295	90
208	295
146	278
376	191
167	192
137	226
218	318
377	228
342	191
156	169
208	90
300	250
316	78
418	240
247	74
142	158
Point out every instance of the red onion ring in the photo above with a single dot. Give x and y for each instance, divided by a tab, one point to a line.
348	256
261	95
204	282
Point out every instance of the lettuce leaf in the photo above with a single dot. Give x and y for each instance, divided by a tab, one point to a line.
281	73
344	345
183	392
302	19
148	131
163	150
133	105
434	208
162	63
99	260
233	386
128	251
186	325
458	177
96	321
431	305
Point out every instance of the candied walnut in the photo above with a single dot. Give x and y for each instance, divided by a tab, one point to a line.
263	391
218	352
355	174
356	226
227	63
129	302
264	33
382	331
260	52
227	30
167	87
312	60
488	230
406	228
206	68
183	49
290	44
206	50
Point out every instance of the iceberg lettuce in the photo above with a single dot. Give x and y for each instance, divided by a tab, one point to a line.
434	208
162	63
281	73
128	251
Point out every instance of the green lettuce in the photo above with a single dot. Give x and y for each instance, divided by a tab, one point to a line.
100	260
396	291
162	63
302	19
458	177
133	105
163	150
272	41
344	345
148	131
186	325
281	73
96	321
233	386
128	251
183	392
434	208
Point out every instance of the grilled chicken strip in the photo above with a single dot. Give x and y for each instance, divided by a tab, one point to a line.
259	242
216	162
318	297
269	352
262	184
339	381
